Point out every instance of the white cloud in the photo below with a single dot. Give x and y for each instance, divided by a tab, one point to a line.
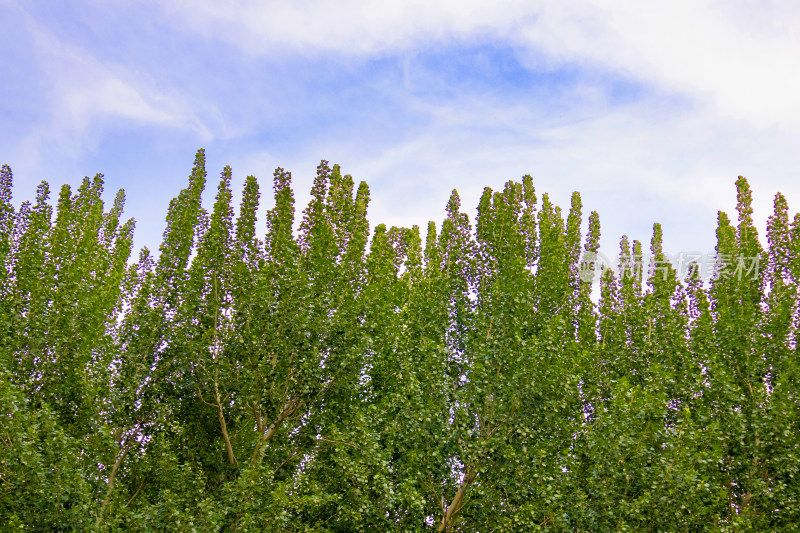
741	66
734	57
349	26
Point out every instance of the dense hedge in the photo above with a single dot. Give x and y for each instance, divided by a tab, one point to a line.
340	379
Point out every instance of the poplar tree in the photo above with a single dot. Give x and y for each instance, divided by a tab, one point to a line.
305	373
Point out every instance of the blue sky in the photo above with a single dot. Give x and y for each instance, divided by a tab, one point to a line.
650	111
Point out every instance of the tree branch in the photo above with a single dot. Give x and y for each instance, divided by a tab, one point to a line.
224	426
111	480
458	500
288	410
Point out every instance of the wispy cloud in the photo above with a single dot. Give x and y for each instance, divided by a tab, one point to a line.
732	57
82	96
352	27
87	92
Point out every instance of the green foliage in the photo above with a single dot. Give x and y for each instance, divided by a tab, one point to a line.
315	378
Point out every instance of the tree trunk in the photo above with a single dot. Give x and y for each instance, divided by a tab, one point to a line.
112	477
458	500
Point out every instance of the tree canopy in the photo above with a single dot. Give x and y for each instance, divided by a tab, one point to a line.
308	373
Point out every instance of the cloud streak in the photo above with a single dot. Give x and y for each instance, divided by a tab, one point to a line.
84	95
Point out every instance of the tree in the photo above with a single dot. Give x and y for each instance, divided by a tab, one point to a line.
314	378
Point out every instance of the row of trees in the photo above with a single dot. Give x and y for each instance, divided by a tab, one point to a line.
340	379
